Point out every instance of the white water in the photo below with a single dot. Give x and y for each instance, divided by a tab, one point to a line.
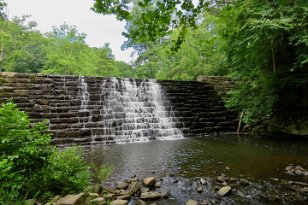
132	112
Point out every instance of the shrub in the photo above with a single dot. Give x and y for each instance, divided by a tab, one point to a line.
29	165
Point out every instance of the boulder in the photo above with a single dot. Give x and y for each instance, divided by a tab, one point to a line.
98	201
157	185
140	202
135	187
97	188
149	182
119	202
144	189
72	199
89	189
191	202
108	196
122	185
224	191
150	195
124	197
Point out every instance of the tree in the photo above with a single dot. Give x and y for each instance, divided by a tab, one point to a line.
21	46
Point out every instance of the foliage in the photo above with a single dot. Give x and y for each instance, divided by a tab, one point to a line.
100	173
29	164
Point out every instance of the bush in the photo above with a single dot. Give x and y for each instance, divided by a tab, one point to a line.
29	165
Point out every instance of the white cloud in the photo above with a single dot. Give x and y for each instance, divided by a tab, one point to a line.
99	29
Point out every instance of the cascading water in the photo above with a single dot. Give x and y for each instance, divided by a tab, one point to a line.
131	111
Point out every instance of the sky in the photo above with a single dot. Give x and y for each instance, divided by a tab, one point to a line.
100	29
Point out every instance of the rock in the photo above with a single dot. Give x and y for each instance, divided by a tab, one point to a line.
221	178
191	202
72	199
199	189
299	168
149	182
98	201
305	173
108	196
165	194
203	181
93	195
224	184
244	181
150	195
157	185
89	189
97	188
124	192
135	187
232	179
205	202
109	190
298	171
224	190
289	168
124	197
144	189
119	202
30	202
140	202
227	168
303	190
122	185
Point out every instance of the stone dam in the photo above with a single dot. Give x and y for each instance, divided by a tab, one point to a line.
99	110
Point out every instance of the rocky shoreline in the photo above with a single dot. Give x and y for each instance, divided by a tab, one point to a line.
218	189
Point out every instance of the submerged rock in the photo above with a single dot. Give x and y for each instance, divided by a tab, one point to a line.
224	191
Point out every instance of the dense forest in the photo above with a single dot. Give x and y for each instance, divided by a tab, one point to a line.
262	44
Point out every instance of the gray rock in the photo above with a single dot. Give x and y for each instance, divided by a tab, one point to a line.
303	190
72	199
98	201
244	181
135	187
124	197
157	185
221	178
203	181
149	182
191	202
97	188
119	202
150	195
298	171
288	168
140	202
224	190
199	189
108	196
145	189
165	194
122	185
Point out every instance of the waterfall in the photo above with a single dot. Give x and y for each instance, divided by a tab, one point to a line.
131	111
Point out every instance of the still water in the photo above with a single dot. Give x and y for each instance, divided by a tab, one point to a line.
181	163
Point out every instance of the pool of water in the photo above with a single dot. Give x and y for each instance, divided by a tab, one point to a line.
180	163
